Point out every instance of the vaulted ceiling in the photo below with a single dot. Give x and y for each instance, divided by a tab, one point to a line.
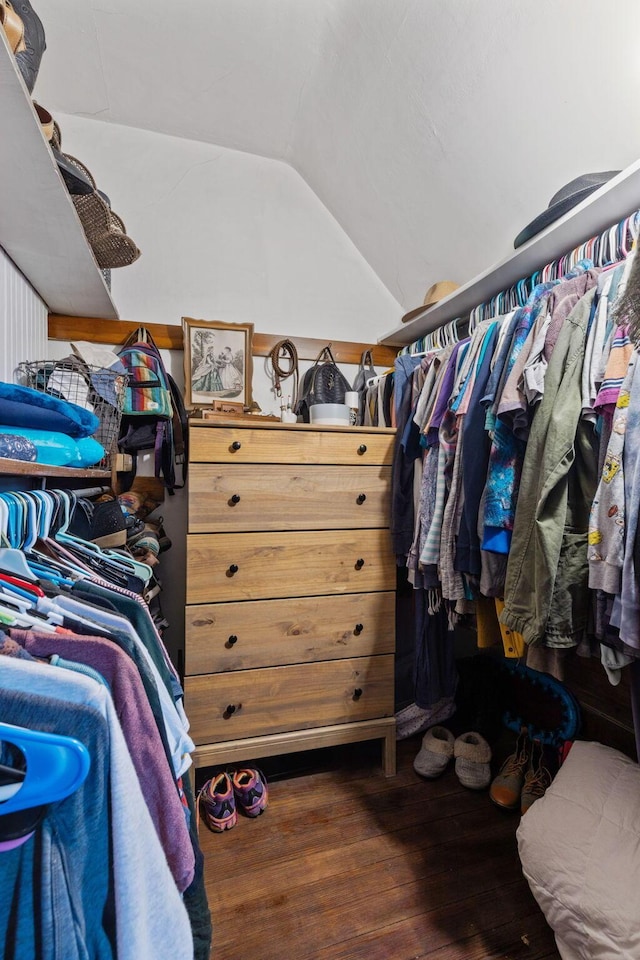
433	130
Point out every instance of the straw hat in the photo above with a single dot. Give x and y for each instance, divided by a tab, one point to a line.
438	291
105	231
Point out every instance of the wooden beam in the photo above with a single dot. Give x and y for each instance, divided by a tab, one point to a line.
169	336
113	332
344	351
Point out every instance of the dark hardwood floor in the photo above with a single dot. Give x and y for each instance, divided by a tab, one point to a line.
347	865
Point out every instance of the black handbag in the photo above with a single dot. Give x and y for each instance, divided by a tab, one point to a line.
324	382
365	371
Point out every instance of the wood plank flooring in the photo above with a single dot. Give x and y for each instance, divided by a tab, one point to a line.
347	865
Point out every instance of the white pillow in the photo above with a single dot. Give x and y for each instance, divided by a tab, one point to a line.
580	851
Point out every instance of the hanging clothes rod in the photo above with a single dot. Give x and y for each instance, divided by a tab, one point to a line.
88	492
611	245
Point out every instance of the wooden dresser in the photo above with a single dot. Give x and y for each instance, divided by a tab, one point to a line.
290	617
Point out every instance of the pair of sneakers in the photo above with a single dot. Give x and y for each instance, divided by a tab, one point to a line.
523	777
226	793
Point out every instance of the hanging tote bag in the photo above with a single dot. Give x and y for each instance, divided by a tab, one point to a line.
324	382
365	371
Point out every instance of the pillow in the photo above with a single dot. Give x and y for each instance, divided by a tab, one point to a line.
54	449
90	452
24	407
16	448
580	851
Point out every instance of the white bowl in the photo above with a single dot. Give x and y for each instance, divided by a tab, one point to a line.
329	414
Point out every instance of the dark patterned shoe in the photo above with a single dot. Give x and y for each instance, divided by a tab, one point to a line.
252	793
218	805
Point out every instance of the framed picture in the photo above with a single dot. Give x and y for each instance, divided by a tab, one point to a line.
218	364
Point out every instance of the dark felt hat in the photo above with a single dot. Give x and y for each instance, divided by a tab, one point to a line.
564	200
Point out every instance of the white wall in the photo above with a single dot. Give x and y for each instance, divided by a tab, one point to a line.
23	320
433	130
225	236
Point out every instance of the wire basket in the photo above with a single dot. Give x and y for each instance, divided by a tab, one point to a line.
98	389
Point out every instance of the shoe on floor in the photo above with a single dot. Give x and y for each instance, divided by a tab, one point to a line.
537	778
473	759
506	788
251	791
218	804
435	752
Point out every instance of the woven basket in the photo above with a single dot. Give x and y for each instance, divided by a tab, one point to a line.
38	374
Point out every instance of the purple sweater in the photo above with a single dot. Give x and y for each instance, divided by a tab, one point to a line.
140	733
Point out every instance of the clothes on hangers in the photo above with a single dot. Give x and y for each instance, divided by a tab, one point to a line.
514	435
89	627
144	915
139	729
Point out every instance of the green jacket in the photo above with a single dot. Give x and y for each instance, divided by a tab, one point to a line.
546	589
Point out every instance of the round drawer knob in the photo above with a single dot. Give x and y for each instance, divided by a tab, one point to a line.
232	639
358	629
232	569
361	498
235	499
362	448
236	445
357	693
231	709
359	564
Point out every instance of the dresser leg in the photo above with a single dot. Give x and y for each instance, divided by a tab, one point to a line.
389	753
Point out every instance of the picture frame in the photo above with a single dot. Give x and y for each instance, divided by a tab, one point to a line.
218	363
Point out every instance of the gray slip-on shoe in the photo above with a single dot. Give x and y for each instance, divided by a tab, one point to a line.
435	752
473	758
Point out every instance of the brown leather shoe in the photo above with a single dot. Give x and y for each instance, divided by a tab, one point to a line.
537	778
506	787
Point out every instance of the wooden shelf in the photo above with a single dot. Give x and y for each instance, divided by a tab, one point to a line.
616	200
170	337
39	227
23	468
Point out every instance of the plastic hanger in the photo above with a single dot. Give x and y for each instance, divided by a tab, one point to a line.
20	604
11	590
11	530
56	767
32	589
13	561
522	292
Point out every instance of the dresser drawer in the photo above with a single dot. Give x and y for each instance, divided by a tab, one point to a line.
255	566
228	706
238	636
237	497
294	445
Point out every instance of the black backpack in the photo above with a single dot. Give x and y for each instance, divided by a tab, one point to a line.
166	433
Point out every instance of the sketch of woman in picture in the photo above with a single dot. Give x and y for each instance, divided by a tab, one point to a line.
230	375
206	375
